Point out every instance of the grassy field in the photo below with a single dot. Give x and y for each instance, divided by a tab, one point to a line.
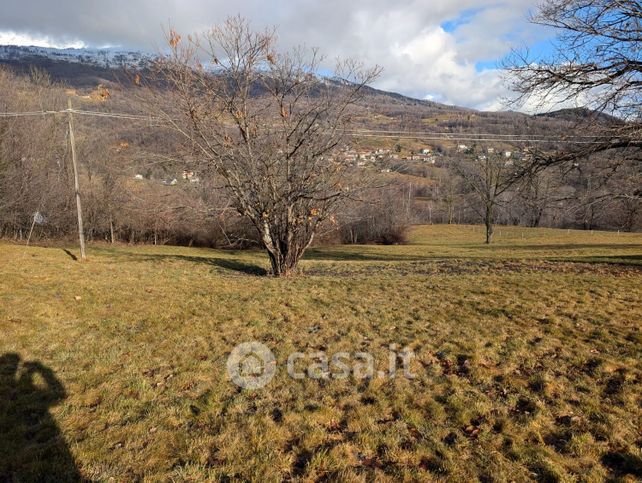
528	361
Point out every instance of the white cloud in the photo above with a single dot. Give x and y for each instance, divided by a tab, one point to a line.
15	38
420	58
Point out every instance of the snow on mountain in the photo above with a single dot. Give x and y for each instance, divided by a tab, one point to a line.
107	58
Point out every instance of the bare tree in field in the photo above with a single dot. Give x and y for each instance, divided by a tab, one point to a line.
449	195
536	193
597	64
488	176
268	126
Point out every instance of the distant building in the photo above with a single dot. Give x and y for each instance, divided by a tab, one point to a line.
350	157
190	176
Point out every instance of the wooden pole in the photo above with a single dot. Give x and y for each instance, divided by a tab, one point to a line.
33	223
72	140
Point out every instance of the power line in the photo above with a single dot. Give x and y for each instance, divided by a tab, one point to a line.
27	114
358	133
117	115
434	136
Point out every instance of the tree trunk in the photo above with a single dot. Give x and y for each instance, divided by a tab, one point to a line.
538	218
286	248
489	225
283	264
284	256
111	230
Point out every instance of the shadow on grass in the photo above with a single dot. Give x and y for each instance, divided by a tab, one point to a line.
320	254
366	254
623	464
31	445
231	264
71	255
477	251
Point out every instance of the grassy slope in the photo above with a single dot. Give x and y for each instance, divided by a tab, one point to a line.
528	357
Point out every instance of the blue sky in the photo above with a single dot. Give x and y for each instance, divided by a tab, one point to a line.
464	17
446	50
537	49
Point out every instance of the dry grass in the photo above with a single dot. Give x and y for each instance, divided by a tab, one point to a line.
528	360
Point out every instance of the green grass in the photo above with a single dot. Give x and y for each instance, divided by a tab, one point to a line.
528	361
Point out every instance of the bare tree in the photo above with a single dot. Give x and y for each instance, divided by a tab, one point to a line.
597	64
536	193
488	175
34	187
268	126
383	220
449	194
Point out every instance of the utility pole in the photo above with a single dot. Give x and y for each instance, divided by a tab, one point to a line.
72	140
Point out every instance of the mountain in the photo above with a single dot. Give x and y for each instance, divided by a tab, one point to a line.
84	69
580	115
78	68
105	58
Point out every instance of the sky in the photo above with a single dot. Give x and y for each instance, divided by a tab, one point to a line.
448	51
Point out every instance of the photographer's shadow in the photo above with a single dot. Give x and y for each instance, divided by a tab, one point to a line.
32	447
